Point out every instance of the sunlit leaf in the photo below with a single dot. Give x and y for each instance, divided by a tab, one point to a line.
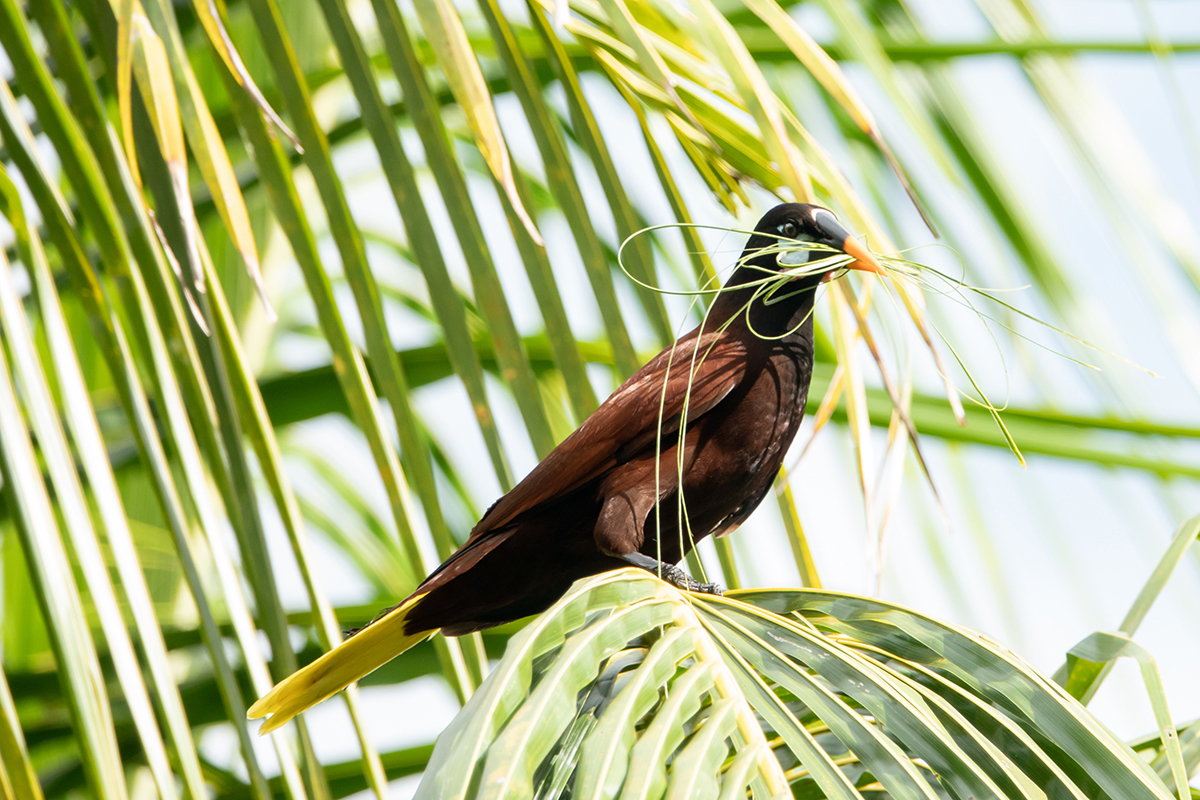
679	694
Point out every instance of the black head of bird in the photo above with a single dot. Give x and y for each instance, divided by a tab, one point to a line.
771	250
705	424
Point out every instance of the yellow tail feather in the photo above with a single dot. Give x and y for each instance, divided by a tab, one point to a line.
353	659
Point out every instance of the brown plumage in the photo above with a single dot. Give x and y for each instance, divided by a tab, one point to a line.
589	506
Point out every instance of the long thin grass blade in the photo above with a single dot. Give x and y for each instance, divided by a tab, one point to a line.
70	499
207	146
262	437
845	338
587	132
124	13
753	90
563	344
86	434
795	532
153	73
444	32
58	598
119	358
218	38
18	776
421	235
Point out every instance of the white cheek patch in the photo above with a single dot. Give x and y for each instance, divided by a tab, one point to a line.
795	258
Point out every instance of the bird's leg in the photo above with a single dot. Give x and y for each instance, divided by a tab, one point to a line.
671	574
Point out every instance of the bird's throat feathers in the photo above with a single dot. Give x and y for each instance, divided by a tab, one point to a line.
768	311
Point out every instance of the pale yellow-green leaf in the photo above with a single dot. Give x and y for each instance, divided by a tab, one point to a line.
844	340
207	145
446	35
648	57
818	62
218	37
758	97
123	9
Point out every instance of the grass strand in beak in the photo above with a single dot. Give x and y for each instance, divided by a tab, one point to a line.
865	330
918	270
915	306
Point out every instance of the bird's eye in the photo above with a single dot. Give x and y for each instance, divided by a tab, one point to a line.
788	229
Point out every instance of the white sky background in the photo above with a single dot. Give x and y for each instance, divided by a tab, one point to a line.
1041	557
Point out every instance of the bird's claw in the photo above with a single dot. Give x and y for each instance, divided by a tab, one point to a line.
680	579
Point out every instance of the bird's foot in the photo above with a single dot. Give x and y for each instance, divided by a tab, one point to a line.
680	579
671	574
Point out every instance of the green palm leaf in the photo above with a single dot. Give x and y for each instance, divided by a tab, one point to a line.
630	688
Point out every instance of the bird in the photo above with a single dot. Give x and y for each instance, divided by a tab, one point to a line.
730	394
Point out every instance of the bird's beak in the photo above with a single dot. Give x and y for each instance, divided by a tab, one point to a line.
837	236
862	256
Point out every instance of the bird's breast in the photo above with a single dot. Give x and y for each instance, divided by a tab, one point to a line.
759	425
735	451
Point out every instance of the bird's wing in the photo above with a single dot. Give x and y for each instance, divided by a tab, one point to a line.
698	372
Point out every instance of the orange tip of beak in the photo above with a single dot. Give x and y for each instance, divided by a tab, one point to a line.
863	259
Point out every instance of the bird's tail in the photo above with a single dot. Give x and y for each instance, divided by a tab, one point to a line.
353	659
